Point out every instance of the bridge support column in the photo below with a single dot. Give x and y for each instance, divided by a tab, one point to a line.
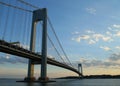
39	15
30	76
44	48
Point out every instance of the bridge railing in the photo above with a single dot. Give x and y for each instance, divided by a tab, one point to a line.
17	47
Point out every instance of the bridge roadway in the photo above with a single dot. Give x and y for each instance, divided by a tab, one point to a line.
10	48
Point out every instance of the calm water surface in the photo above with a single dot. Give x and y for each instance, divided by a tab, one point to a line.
65	82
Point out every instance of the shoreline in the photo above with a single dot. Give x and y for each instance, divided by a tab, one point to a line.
92	77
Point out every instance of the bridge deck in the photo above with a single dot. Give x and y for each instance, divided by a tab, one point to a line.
9	48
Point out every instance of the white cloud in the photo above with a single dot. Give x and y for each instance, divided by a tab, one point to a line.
85	37
92	42
113	28
117	34
116	26
79	38
7	56
105	48
117	47
106	38
113	61
109	33
75	33
98	63
97	36
89	31
91	10
12	60
109	28
93	38
115	57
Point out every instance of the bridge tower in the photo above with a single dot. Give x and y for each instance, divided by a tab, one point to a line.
38	15
80	69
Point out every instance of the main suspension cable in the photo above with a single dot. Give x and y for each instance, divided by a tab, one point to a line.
9	5
55	48
26	3
58	40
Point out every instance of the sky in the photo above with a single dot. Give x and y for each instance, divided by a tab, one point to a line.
89	31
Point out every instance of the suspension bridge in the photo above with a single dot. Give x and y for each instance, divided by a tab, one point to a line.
23	28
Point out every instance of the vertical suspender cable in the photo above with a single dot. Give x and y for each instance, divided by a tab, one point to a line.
23	27
52	29
6	23
20	24
58	41
56	49
29	27
13	23
1	16
26	29
27	32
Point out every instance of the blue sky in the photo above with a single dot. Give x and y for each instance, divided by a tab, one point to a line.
89	31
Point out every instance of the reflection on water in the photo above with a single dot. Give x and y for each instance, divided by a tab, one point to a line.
37	84
29	84
64	82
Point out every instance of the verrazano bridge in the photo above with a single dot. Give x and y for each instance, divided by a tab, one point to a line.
19	23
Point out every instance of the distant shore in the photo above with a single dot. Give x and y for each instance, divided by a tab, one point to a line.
77	77
92	77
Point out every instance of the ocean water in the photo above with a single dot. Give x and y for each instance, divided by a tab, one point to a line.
64	82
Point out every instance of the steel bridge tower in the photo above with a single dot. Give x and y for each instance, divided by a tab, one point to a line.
38	15
80	69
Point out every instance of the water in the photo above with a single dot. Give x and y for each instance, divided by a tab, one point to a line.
65	82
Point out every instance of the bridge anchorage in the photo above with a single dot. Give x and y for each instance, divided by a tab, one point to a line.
35	58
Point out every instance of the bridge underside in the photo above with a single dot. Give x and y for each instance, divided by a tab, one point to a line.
9	48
